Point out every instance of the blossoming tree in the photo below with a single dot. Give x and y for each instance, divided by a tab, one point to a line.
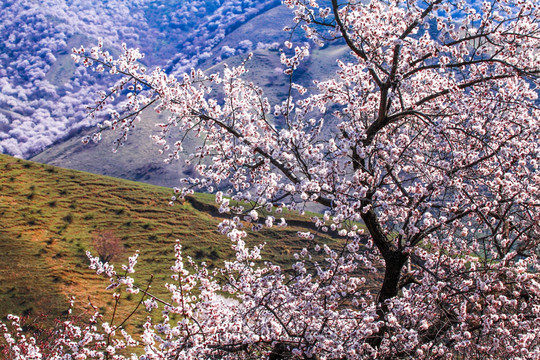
430	138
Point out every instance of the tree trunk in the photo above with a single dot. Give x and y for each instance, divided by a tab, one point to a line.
395	261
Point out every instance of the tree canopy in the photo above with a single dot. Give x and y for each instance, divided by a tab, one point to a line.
423	152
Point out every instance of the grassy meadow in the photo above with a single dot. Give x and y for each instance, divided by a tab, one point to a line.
49	216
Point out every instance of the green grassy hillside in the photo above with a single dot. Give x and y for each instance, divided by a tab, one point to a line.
49	215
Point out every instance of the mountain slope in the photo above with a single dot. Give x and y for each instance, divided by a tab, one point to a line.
43	95
140	160
49	216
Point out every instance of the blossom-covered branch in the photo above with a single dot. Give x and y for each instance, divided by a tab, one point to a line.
430	139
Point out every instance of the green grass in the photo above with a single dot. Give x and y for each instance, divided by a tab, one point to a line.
44	237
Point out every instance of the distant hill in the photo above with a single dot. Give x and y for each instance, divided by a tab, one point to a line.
42	93
140	161
49	216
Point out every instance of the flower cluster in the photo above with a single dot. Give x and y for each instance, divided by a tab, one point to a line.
424	152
